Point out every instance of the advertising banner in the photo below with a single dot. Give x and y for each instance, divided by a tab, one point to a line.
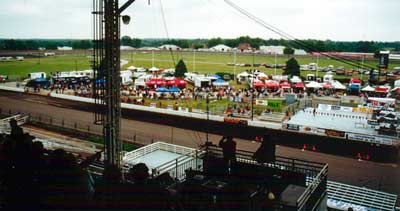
293	127
262	102
235	121
335	133
368	138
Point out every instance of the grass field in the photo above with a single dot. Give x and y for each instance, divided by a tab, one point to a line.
205	63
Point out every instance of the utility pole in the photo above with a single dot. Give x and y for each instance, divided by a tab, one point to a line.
194	60
234	65
275	63
106	65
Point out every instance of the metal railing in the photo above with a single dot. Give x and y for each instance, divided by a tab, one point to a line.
316	188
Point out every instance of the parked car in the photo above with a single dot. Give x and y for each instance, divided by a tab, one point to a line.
396	71
340	71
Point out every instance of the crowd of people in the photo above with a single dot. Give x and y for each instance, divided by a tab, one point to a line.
32	178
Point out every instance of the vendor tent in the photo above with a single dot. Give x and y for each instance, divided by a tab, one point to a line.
355	80
132	68
174	89
328	86
162	89
154	69
381	89
285	84
368	89
295	79
220	82
299	85
313	85
258	84
272	84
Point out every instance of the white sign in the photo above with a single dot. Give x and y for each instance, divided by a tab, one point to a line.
153	105
262	102
371	139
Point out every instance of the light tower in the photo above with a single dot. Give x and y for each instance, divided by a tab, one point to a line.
106	66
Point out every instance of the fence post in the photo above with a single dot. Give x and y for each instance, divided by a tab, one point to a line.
75	125
40	117
62	123
51	120
9	111
88	128
176	170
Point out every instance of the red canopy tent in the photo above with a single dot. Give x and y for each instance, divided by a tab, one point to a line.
328	86
171	83
181	82
258	84
381	89
299	85
285	84
153	82
272	85
355	81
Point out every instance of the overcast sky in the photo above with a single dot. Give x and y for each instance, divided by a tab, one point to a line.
317	19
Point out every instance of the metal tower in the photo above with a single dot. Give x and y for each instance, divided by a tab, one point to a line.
107	82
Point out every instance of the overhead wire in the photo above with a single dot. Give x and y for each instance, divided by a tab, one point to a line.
166	31
291	38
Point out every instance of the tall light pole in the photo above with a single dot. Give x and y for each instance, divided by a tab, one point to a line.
107	67
316	71
252	90
194	60
234	65
275	63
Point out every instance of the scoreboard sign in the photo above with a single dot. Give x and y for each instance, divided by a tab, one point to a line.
384	59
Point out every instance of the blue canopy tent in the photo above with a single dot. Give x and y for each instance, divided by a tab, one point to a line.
162	89
354	87
217	76
174	89
220	82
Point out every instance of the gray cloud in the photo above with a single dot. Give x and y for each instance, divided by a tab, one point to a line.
319	19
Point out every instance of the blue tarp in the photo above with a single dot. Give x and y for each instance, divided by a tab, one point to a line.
174	89
220	82
354	86
217	76
161	89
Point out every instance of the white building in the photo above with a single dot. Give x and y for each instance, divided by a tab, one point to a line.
221	47
126	48
33	76
170	47
64	48
300	52
272	49
49	54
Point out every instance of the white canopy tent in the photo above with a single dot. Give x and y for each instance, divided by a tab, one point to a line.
295	79
262	75
368	89
132	68
338	85
313	85
154	69
244	74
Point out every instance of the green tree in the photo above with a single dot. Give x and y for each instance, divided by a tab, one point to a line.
126	41
180	69
288	51
214	41
292	67
136	43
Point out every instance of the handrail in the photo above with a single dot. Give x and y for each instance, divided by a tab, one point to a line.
312	186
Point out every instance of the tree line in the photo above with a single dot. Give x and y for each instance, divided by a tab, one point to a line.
309	45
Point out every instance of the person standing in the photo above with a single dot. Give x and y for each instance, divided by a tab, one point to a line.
229	150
